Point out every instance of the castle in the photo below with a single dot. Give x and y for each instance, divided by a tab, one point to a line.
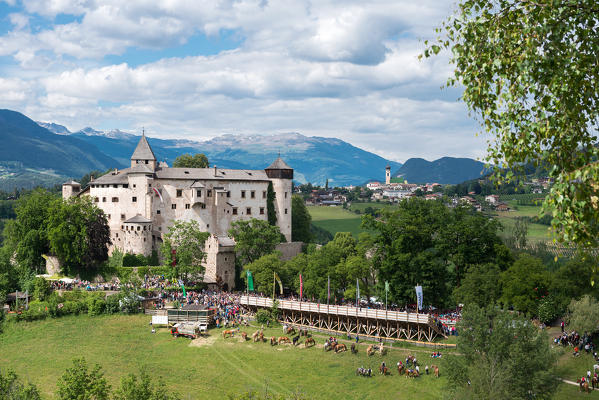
141	203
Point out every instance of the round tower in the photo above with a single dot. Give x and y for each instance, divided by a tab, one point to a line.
138	235
70	189
281	176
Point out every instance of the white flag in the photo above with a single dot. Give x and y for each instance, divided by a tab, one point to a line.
419	296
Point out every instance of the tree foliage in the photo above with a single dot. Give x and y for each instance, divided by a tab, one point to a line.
187	239
198	160
270	205
424	242
78	235
504	356
525	284
262	272
254	238
300	221
584	315
11	388
530	74
80	383
143	388
481	286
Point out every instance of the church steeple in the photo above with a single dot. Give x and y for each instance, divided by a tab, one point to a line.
143	154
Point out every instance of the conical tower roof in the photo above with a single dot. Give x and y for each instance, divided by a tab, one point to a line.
143	151
278	164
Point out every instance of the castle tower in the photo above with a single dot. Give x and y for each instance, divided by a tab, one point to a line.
143	154
138	235
70	189
281	176
387	175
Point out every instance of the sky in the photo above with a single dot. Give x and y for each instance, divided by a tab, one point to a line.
194	69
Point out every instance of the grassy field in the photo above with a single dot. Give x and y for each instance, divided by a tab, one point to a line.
336	219
536	232
214	368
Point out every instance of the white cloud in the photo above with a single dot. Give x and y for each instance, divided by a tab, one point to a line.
339	69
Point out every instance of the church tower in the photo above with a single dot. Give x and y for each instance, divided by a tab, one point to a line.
143	154
387	175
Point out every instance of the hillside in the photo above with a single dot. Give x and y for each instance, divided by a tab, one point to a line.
28	147
446	170
315	159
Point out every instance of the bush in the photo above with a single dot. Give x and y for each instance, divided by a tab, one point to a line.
549	309
111	305
95	305
41	289
263	316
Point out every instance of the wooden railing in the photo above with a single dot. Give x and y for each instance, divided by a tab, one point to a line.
338	310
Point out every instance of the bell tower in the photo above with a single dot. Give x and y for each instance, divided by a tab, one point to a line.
387	175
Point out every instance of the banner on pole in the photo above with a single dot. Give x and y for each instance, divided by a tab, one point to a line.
182	287
386	286
250	280
301	287
328	289
357	292
419	297
279	282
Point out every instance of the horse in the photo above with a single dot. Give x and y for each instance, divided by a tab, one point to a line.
309	341
364	372
290	330
261	337
244	336
255	336
284	339
435	370
228	333
584	386
370	350
595	382
412	373
354	349
273	341
295	340
340	347
400	369
382	350
383	370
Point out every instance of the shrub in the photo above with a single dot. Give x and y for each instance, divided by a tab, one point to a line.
41	289
263	316
95	305
549	309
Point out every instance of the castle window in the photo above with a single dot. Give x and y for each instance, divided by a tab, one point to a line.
261	210
116	235
285	194
139	228
179	193
146	161
199	193
264	194
285	211
229	193
173	206
207	226
144	228
243	194
115	199
248	211
253	194
134	185
134	199
160	228
97	199
187	206
122	216
234	210
144	239
157	211
103	199
125	185
203	206
209	192
122	227
149	185
108	216
115	186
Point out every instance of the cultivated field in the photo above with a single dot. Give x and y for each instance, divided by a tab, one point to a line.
213	368
336	219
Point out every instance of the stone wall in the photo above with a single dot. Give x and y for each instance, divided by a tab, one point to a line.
289	250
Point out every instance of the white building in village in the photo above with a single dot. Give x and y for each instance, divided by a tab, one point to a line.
141	203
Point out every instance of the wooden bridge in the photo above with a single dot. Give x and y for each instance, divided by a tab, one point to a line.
364	322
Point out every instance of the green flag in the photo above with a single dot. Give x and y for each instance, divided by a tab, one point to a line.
250	280
386	286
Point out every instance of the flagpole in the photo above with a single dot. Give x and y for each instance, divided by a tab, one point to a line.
273	286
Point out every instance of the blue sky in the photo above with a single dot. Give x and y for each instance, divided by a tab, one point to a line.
200	69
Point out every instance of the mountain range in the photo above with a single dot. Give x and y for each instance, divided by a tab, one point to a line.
446	170
35	150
